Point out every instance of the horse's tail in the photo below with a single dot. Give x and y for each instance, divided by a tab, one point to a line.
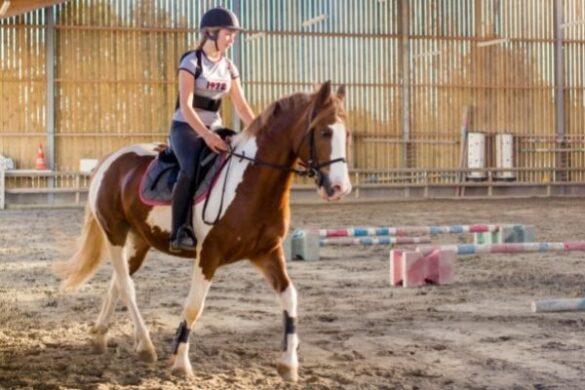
87	257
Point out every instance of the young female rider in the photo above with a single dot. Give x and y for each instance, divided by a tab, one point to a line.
205	76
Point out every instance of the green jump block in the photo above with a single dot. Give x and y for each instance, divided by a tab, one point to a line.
507	234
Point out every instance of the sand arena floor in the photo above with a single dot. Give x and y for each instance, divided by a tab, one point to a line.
356	331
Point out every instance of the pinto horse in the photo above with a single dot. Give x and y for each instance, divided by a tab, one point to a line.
251	200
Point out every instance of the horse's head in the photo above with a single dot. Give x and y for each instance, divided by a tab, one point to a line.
323	147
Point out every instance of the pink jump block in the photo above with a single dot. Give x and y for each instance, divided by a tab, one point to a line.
414	269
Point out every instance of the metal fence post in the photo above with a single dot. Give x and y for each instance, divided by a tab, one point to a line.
50	113
560	144
237	58
404	53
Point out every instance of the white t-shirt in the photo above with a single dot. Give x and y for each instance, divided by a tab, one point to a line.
214	81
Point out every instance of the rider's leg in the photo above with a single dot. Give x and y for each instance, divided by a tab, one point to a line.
187	147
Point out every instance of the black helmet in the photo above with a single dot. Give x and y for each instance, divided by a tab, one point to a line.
220	17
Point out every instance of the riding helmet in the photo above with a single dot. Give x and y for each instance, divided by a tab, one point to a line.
220	17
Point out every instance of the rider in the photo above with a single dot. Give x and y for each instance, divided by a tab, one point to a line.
205	76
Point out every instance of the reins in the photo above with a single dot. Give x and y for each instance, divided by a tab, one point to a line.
313	169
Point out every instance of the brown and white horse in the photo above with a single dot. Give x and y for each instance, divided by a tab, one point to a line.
251	198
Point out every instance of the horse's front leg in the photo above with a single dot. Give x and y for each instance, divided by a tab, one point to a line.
191	312
273	267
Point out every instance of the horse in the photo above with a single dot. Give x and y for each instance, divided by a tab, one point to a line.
251	202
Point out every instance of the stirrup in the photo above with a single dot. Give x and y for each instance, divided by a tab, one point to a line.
185	240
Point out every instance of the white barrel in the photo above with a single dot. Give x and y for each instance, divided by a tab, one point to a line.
505	156
476	155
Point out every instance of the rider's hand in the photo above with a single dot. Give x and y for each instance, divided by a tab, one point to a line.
215	143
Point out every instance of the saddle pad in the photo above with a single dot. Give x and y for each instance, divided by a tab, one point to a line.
156	185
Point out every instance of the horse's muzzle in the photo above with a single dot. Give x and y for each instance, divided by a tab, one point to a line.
331	190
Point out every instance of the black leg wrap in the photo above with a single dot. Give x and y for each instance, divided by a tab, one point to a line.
290	327
182	336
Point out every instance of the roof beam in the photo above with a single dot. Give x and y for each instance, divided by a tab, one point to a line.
13	8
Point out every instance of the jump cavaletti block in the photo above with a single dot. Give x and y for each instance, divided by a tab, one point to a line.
413	269
435	264
506	234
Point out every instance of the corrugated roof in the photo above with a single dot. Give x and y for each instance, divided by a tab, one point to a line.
16	7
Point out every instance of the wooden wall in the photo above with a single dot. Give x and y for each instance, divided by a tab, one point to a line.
411	67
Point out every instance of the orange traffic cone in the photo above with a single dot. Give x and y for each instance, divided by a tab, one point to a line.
40	164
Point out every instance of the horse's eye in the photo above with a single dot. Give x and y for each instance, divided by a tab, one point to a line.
326	133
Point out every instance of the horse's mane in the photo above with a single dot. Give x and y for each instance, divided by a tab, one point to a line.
287	103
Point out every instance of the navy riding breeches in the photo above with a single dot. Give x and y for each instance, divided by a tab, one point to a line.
187	146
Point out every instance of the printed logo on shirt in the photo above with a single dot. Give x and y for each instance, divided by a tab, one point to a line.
216	86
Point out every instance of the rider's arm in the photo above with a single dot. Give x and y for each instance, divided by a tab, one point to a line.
240	103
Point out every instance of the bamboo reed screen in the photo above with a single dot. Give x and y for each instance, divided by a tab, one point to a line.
411	67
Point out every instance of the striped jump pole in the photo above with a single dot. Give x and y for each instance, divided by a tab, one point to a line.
557	305
306	244
521	247
374	241
414	230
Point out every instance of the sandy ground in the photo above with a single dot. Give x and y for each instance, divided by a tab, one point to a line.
356	331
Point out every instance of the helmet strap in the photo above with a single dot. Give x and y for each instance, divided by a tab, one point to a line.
212	36
202	42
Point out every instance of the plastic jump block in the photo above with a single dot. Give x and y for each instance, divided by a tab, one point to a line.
305	245
287	247
506	234
413	269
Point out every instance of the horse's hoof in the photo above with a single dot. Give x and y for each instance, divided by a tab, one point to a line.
287	373
182	372
147	355
99	344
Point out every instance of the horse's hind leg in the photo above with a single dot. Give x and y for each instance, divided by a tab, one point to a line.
134	253
100	329
272	265
120	263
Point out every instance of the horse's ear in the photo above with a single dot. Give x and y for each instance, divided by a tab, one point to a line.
341	91
277	108
270	112
323	93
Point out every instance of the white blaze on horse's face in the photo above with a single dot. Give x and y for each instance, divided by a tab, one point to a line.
338	171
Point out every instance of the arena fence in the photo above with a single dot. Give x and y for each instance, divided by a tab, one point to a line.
31	188
84	78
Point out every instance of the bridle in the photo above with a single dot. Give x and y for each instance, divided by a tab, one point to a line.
312	168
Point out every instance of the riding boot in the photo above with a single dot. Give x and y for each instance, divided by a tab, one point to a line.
182	237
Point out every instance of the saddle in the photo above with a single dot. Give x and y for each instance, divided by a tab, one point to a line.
156	185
